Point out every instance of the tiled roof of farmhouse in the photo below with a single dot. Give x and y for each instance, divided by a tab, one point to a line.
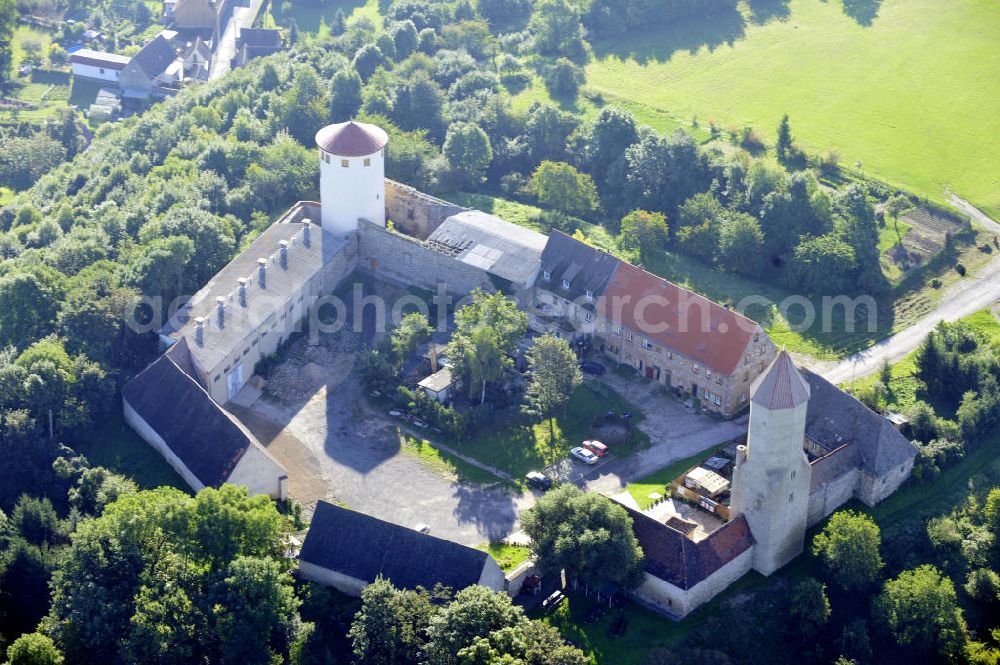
835	418
586	268
351	139
204	436
780	386
365	547
681	320
675	558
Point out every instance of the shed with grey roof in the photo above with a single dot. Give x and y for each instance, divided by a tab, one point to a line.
507	251
349	550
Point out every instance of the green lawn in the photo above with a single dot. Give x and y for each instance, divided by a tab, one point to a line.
659	481
912	96
508	556
309	17
889	236
120	449
646	631
516	444
444	463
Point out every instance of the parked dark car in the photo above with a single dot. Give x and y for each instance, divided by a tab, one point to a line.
591	367
538	480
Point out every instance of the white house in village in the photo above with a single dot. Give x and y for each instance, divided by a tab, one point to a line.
97	65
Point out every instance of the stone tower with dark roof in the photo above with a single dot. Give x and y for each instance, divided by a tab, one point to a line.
771	480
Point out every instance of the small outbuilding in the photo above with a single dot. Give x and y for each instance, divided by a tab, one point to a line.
438	385
705	482
348	550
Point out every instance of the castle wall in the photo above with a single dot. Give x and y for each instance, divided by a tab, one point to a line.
872	490
400	259
677	602
413	212
830	495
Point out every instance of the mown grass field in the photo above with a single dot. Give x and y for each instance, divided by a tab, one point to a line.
913	95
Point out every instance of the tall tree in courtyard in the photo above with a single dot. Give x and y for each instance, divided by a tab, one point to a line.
554	376
586	534
848	547
487	331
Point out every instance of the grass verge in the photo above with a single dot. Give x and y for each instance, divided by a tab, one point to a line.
445	463
508	556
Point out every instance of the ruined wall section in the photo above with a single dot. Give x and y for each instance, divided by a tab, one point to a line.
415	213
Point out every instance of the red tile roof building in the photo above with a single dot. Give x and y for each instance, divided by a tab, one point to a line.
665	332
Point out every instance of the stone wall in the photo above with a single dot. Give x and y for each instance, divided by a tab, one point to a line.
873	490
400	259
831	495
414	212
515	578
674	601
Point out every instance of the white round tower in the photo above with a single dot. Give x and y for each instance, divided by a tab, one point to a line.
351	175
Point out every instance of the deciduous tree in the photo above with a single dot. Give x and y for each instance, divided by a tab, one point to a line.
554	377
848	548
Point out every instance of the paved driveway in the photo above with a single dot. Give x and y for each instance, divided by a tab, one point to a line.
674	430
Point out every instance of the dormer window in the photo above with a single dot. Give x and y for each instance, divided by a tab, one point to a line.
547	274
565	284
618	330
590	294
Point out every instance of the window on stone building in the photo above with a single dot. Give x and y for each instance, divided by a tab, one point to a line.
590	317
618	330
696	368
216	378
628	335
791	497
368	161
344	163
756	336
646	344
246	350
793	474
225	369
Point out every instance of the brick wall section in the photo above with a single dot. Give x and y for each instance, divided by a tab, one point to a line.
414	212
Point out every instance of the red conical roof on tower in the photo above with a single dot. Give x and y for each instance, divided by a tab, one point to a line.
781	386
351	139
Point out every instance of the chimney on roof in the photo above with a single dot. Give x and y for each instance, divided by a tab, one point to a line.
220	308
283	252
199	330
306	231
243	291
262	272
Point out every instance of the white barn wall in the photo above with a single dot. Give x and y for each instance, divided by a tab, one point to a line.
95	73
352	586
259	473
493	576
150	436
